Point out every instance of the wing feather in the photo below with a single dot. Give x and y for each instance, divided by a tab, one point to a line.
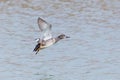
45	29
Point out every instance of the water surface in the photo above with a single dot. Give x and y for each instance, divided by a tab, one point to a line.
92	52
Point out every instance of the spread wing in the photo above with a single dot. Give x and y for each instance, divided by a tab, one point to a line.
45	29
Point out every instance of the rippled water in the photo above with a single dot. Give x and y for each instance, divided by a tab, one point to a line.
92	52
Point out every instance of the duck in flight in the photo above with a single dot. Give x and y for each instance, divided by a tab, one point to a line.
46	38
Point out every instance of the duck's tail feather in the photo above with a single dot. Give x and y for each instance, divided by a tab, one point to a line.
37	52
37	47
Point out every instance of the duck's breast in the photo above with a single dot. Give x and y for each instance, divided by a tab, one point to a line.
48	43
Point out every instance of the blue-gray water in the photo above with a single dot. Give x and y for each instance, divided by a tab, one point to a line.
92	52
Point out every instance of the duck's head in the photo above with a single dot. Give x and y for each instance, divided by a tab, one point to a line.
62	36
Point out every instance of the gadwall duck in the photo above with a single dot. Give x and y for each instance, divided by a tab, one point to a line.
46	38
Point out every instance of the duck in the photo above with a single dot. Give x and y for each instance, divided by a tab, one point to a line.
46	39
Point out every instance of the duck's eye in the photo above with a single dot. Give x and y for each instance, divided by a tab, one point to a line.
59	37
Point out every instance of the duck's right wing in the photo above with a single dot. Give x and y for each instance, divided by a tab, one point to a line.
43	25
45	28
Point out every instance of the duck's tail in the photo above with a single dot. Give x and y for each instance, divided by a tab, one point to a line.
37	48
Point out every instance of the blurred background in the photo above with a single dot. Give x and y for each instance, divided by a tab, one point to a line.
92	52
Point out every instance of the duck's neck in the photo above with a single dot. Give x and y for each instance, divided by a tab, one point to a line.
57	39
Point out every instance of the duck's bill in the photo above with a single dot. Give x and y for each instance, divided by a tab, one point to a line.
67	36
